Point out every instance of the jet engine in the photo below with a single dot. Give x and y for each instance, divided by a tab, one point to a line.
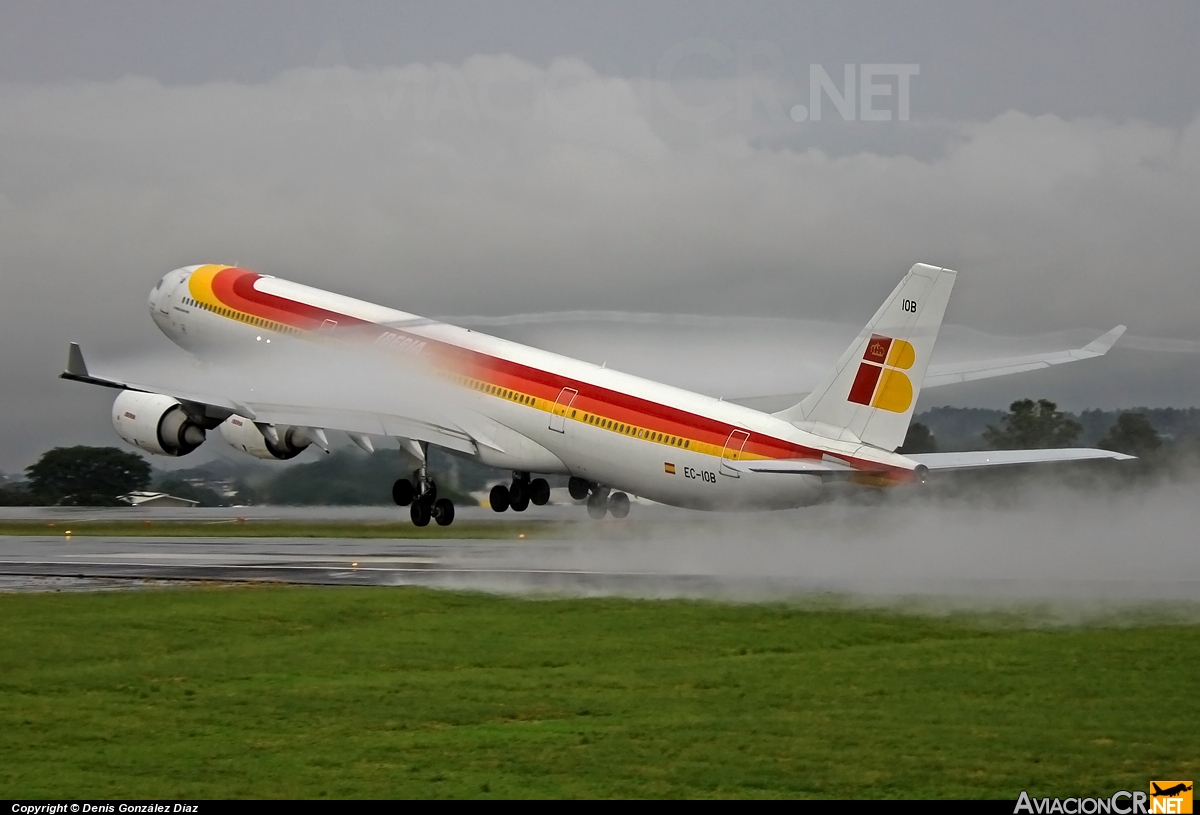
156	423
288	441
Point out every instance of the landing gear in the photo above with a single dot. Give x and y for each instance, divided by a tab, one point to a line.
420	512
403	492
443	511
520	494
597	504
420	496
601	503
579	488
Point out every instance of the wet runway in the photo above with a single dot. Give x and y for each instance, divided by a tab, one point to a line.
632	566
1051	545
79	562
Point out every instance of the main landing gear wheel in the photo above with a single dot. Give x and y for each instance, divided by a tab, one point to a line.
498	498
618	505
443	511
518	497
579	488
520	493
403	492
597	505
420	495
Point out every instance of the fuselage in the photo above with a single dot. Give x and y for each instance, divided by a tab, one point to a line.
572	417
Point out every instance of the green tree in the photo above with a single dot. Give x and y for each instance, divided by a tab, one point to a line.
17	496
1033	425
87	476
1133	435
918	440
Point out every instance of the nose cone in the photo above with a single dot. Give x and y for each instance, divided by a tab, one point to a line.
163	293
160	295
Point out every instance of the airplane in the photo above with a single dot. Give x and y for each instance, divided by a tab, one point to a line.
537	413
1170	792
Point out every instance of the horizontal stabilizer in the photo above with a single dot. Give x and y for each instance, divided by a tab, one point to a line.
971	371
1000	458
955	372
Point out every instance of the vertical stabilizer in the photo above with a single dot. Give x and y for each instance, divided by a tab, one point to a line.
871	395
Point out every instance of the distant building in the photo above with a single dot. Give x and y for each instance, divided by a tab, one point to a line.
157	499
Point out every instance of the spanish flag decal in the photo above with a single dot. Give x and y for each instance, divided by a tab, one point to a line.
880	382
670	468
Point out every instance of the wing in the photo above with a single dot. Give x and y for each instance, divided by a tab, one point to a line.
217	407
952	373
1001	458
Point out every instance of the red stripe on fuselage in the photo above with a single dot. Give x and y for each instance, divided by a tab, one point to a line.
235	288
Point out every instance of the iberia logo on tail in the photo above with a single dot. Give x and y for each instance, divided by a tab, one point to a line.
880	382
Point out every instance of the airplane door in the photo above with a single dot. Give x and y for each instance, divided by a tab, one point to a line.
733	452
558	418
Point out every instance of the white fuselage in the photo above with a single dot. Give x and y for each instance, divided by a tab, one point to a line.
546	412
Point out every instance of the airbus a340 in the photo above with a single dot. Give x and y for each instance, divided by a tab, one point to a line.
537	413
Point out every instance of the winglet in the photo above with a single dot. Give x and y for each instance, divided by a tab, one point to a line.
77	371
76	367
1102	344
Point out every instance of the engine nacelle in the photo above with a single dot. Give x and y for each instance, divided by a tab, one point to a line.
156	423
244	435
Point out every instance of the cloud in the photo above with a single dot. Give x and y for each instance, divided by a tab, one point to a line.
498	186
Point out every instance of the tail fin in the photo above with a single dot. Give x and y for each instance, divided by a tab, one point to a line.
874	387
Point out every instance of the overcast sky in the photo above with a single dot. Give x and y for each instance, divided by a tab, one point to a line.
499	158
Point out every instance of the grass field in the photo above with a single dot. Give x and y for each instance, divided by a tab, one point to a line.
310	692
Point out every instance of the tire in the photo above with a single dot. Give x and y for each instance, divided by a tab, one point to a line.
618	505
443	511
518	502
403	492
419	512
539	492
597	507
498	498
578	488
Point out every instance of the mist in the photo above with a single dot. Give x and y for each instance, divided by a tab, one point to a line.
1056	553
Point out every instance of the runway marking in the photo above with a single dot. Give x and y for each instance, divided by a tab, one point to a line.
342	568
248	557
